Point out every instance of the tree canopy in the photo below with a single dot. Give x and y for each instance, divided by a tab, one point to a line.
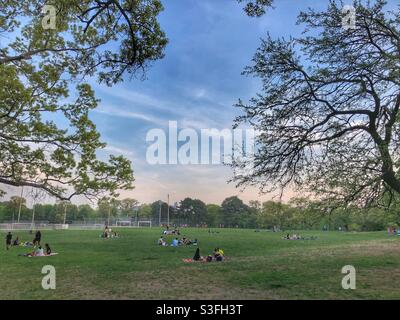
47	139
328	113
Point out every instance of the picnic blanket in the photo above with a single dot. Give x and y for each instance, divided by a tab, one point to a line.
202	260
48	255
191	260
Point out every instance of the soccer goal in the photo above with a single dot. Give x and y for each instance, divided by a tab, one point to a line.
126	223
144	224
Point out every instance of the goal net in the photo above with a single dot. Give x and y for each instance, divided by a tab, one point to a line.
144	224
124	223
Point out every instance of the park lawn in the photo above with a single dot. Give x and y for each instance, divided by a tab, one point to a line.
260	266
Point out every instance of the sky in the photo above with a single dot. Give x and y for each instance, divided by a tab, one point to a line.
196	84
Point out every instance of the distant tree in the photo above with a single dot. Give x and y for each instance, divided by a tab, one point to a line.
145	211
276	214
128	206
307	214
328	114
85	212
214	215
155	210
15	203
108	208
192	211
235	213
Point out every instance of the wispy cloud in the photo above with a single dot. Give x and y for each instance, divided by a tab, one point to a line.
118	112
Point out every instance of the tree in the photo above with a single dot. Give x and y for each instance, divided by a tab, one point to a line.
328	115
145	211
308	214
256	8
155	210
192	211
39	68
276	214
108	208
128	206
16	203
235	213
213	218
85	211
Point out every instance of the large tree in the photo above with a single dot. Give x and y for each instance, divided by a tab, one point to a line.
192	211
328	114
235	213
47	140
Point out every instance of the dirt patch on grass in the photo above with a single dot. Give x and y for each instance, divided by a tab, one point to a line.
366	248
186	284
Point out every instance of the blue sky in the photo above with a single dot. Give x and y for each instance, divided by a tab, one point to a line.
196	84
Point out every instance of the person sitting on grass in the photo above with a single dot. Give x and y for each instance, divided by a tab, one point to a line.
16	242
39	252
48	249
8	240
195	242
35	253
209	258
218	254
175	242
114	234
161	242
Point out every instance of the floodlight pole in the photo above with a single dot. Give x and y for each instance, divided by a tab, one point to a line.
109	213
159	214
168	212
20	203
65	212
33	217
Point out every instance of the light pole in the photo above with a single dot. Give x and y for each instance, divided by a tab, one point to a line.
109	214
65	212
20	203
33	217
159	214
168	212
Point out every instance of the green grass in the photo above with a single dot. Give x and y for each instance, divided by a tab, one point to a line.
261	266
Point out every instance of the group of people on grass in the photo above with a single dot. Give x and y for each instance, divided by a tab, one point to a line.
298	237
38	251
108	233
393	231
217	255
178	242
171	232
10	242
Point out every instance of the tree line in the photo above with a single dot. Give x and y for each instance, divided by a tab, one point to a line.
297	214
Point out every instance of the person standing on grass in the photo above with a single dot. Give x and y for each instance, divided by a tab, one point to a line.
197	256
38	238
8	240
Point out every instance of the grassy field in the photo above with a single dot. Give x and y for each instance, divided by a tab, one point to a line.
261	266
